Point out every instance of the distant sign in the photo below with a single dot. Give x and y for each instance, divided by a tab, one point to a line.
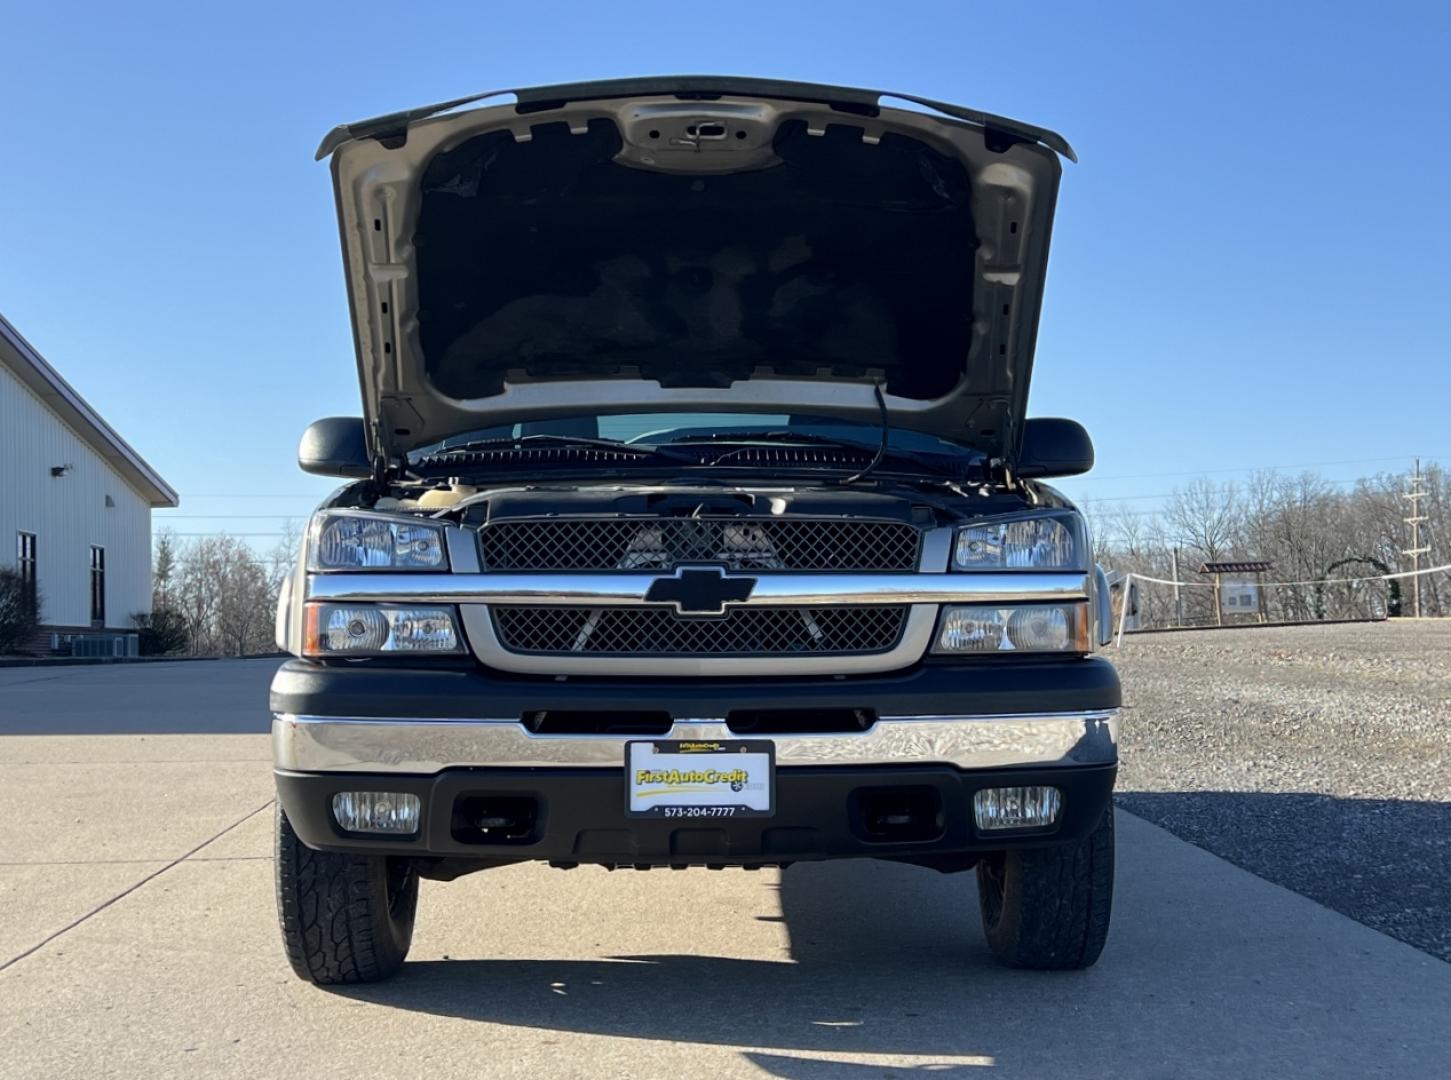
1239	597
1133	618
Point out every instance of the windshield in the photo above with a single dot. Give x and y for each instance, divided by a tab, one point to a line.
662	428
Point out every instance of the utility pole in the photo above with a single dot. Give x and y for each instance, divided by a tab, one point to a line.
1415	551
1178	603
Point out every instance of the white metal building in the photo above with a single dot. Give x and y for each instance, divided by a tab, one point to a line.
75	500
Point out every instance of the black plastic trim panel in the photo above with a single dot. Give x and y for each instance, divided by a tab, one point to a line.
302	688
579	815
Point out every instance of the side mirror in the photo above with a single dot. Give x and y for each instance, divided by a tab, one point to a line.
1053	446
335	446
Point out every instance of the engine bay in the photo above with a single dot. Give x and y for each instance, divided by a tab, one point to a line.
479	504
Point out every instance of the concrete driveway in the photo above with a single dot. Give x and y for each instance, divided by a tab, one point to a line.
139	938
190	696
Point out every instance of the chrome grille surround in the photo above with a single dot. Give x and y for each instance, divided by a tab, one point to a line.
478	594
659	631
737	543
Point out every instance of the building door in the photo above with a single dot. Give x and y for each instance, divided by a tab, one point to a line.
25	565
98	586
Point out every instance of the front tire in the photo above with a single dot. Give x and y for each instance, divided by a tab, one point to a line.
1048	907
344	918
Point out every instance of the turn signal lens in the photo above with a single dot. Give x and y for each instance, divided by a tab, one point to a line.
370	629
985	628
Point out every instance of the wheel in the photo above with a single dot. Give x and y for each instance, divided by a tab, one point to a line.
1048	907
344	918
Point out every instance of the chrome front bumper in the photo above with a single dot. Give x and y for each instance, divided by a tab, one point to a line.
423	746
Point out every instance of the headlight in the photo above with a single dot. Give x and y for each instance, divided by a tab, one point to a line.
366	542
1040	542
990	628
371	629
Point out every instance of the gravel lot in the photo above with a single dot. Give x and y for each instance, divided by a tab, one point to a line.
1318	757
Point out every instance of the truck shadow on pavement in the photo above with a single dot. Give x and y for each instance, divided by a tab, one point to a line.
883	959
1383	862
1207	972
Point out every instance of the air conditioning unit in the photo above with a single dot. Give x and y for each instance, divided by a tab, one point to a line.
107	645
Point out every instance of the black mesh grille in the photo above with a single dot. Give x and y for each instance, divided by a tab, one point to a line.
658	631
738	543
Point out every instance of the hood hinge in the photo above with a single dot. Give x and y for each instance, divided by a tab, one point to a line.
1000	471
1010	424
379	479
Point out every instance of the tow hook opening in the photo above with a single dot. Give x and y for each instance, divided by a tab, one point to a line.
597	722
706	129
799	721
495	819
897	814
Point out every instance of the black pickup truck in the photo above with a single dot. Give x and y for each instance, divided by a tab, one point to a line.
693	518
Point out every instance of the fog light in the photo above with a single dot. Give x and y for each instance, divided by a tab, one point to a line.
1016	807
393	812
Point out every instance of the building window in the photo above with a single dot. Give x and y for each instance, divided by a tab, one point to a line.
98	585
25	564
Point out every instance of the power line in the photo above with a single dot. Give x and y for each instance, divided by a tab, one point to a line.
239	535
1099	505
1256	468
1089	499
1120	476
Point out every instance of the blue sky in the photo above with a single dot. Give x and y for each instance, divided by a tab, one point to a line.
1249	265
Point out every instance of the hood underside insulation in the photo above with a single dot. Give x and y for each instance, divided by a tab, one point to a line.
841	256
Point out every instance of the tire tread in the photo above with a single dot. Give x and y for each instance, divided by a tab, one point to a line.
1057	903
333	913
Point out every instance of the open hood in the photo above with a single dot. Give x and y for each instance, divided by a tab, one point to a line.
682	244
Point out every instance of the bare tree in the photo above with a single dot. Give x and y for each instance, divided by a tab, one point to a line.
283	556
1332	540
163	574
1205	517
244	608
227	593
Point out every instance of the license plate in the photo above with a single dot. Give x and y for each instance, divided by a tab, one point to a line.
705	779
